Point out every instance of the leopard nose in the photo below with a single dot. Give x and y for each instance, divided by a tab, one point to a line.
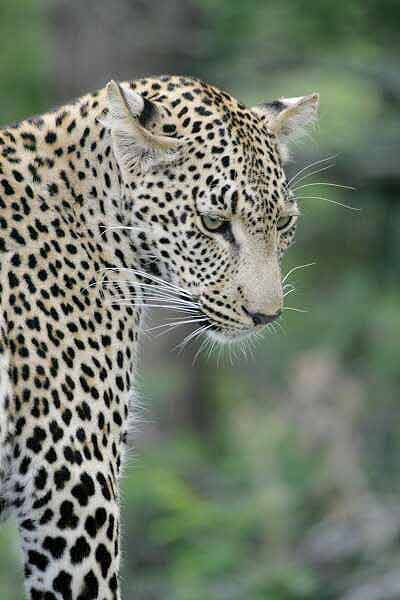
260	318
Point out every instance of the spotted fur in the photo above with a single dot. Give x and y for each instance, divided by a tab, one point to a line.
119	185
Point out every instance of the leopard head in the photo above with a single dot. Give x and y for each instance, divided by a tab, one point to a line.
206	196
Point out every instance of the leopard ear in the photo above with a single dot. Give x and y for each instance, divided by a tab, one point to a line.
288	118
136	149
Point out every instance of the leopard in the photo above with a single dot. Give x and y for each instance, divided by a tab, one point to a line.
163	190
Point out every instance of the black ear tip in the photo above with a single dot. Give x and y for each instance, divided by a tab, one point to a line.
147	113
276	105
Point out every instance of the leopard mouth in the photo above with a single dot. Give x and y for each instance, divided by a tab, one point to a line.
225	332
229	336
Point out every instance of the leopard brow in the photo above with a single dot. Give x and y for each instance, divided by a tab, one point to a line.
221	207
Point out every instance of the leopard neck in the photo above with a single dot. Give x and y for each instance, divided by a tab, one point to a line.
65	157
70	146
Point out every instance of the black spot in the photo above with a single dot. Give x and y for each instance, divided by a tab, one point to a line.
24	466
56	431
17	237
51	456
104	486
61	477
68	518
62	585
79	551
40	502
28	525
38	560
46	517
34	442
53	189
169	129
110	528
17	176
103	557
41	479
113	583
51	137
83	490
225	161
93	524
7	187
90	589
55	545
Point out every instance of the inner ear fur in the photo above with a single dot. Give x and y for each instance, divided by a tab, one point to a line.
136	148
288	118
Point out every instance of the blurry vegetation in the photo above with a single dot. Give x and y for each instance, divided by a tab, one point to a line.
277	478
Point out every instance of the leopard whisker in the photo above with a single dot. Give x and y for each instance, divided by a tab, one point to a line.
326	183
289	292
328	200
162	293
165	298
156	293
145	275
183	344
307	175
176	323
159	281
205	342
129	227
301	310
166	301
309	166
296	269
127	302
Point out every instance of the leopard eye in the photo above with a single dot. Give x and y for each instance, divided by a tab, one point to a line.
213	223
284	223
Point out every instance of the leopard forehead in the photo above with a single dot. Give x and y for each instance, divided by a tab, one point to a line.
231	147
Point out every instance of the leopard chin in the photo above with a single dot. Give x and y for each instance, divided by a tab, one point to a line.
230	335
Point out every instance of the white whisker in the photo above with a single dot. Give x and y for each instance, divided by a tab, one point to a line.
170	299
191	336
296	269
112	227
328	200
288	286
289	292
307	175
203	344
127	302
301	310
160	281
326	183
313	164
150	277
176	323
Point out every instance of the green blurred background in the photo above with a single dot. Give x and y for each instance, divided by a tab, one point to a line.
277	478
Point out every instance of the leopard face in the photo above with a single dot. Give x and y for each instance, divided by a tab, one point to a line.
207	196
